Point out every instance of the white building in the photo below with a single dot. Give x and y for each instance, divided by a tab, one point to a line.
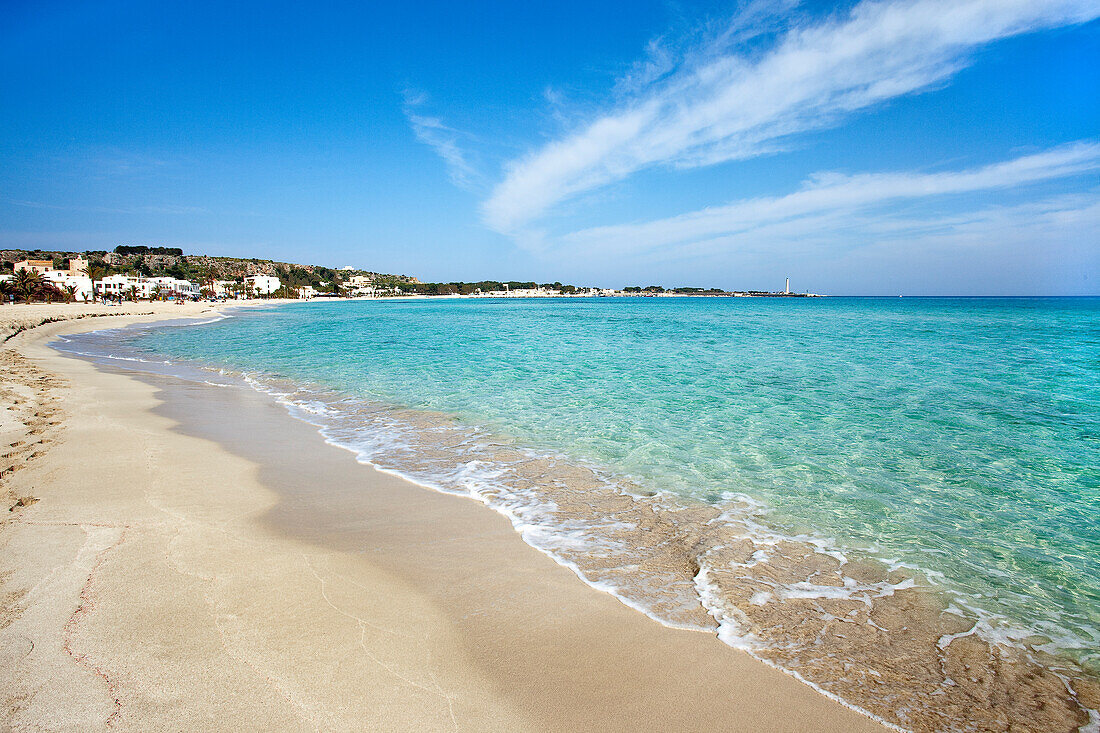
173	287
76	275
145	288
306	292
535	292
263	284
188	289
63	279
115	286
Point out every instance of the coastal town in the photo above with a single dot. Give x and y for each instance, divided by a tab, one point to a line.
165	274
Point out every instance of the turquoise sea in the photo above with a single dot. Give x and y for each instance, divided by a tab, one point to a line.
957	437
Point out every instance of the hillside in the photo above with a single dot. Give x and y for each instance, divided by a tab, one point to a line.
166	261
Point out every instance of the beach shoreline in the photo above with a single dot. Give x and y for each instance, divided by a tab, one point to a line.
177	568
880	629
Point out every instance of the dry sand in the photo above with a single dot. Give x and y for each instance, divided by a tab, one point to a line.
197	559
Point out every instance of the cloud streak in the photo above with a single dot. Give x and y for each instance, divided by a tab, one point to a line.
442	139
827	202
720	105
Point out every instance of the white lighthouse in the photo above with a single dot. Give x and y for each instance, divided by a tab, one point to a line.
788	290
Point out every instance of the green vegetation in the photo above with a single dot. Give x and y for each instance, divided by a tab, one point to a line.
677	291
29	286
141	249
486	286
144	261
463	288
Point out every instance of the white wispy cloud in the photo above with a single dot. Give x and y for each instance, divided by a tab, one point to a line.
442	139
722	104
707	40
827	204
1034	227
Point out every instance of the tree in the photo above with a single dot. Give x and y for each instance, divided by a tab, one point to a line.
95	272
27	283
70	293
49	291
142	249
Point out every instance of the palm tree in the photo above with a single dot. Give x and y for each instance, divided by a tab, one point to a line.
133	294
27	283
95	272
207	281
70	293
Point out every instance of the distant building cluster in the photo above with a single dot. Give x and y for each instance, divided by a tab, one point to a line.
75	274
135	287
538	291
135	272
146	288
163	273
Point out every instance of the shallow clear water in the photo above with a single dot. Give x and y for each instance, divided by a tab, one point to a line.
961	436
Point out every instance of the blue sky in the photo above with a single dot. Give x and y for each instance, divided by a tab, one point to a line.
918	146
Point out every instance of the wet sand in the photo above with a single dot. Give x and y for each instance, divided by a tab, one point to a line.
197	558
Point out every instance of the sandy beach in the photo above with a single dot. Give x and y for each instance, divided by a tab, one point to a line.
183	556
